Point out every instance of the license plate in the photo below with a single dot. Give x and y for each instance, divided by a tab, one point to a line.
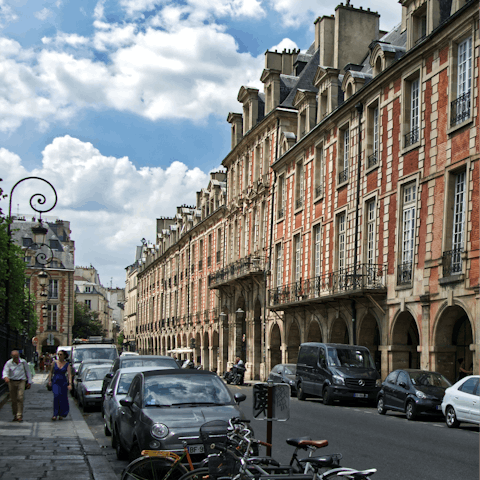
196	449
360	395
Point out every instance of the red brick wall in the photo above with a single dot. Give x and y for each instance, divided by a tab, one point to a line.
410	162
372	179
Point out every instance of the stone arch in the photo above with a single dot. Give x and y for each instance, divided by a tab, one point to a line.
314	331
452	337
240	341
370	337
258	341
50	348
339	331
405	338
197	355
275	345
293	342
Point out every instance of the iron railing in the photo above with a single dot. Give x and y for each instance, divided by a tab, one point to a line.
249	265
343	176
372	160
460	109
404	273
412	137
366	277
452	262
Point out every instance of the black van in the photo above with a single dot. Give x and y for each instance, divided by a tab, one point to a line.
335	371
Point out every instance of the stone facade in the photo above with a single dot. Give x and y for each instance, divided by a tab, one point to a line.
352	207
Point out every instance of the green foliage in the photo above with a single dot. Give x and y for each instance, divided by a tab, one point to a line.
120	339
86	322
16	310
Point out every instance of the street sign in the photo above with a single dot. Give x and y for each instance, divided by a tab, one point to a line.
50	339
280	402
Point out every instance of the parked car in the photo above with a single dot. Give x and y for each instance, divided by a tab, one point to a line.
138	361
124	354
82	366
90	385
284	373
163	408
413	392
461	402
335	371
117	390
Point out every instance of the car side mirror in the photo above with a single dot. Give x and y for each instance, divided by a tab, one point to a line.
239	397
109	375
403	384
126	402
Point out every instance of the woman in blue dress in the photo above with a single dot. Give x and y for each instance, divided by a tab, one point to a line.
60	379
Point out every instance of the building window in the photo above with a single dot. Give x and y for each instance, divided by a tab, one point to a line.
88	303
405	268
460	107
318	171
343	155
246	173
412	112
279	265
341	242
257	162
266	158
88	289
419	24
54	244
297	258
53	289
371	232
52	317
26	242
299	185
373	136
452	258
281	196
317	238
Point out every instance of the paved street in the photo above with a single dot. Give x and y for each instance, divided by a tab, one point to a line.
399	449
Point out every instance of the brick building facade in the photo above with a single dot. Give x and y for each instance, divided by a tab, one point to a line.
352	207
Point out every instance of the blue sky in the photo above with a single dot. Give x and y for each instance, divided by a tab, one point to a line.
122	104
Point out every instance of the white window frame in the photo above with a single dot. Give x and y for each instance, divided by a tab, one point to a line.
279	265
341	240
52	317
371	231
317	250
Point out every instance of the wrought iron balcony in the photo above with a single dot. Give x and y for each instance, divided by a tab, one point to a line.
412	137
372	160
452	262
404	273
460	109
367	277
343	176
251	265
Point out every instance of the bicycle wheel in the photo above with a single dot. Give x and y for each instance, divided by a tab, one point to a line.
153	468
196	474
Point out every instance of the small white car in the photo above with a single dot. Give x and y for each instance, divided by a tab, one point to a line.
461	402
90	385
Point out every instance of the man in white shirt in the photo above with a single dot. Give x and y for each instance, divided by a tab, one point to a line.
17	376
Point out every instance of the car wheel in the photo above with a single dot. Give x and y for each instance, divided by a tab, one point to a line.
410	411
327	396
381	406
300	393
451	417
106	430
120	452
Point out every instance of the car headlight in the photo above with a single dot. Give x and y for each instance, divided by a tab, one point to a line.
159	430
338	380
378	382
420	394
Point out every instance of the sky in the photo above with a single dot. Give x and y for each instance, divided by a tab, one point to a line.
122	105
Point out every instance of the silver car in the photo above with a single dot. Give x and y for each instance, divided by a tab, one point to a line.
82	366
117	390
461	402
164	408
89	387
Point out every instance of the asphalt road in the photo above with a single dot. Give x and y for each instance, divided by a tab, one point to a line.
399	449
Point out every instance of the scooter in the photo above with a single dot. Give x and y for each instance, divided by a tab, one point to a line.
235	375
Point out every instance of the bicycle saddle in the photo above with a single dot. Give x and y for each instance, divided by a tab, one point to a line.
307	442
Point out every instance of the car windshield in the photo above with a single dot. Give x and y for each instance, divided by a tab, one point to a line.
149	362
171	390
81	354
96	374
124	382
290	369
349	357
426	379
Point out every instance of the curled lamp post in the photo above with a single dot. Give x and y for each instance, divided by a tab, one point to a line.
37	203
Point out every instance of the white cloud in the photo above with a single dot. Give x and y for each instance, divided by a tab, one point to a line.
43	14
285	44
110	203
7	14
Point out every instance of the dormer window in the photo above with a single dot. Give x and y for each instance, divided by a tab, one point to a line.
378	67
419	24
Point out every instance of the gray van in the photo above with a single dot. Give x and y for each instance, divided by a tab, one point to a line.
335	371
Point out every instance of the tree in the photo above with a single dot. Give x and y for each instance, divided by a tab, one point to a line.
120	340
86	322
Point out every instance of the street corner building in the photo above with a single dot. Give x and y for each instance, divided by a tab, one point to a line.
348	210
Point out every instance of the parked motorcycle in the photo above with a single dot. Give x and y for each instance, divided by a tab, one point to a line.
235	375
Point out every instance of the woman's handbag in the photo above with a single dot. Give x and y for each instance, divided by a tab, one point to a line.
49	387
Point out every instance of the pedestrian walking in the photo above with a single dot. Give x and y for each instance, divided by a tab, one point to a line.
48	362
18	378
41	363
60	379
